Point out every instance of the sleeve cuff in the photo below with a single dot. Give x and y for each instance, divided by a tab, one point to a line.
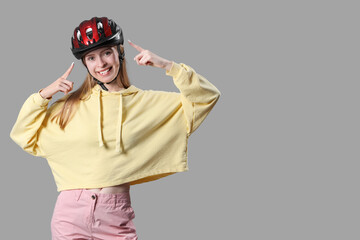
40	100
175	68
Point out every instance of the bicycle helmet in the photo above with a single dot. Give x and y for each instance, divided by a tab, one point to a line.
94	33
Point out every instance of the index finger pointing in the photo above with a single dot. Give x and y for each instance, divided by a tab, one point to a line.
67	73
140	49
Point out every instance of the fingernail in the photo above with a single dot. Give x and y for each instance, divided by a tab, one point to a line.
72	63
129	40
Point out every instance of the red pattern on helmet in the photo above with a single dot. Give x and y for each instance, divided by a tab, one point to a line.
106	26
84	26
74	40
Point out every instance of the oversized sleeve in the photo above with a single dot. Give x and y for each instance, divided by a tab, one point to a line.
198	95
25	131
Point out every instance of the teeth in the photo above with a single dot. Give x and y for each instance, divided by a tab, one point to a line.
104	72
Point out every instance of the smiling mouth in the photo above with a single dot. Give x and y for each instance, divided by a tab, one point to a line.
106	71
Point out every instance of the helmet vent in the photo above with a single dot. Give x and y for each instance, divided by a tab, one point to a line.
89	33
99	25
78	34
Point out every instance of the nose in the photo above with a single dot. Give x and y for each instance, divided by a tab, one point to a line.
101	62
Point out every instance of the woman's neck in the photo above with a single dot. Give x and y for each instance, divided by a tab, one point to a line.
115	86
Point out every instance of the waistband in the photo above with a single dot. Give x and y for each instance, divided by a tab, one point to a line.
101	198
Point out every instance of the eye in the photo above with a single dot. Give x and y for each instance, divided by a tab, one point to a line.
89	33
90	58
108	53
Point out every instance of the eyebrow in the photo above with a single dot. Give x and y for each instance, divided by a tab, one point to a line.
91	54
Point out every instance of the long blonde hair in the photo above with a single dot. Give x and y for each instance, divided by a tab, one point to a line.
72	100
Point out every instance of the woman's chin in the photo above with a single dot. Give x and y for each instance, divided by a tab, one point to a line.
106	79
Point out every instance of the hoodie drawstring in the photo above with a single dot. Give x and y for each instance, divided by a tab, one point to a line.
100	138
118	133
119	126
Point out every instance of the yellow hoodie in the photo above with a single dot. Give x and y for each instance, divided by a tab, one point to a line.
132	136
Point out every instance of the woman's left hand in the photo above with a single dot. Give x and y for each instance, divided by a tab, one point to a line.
147	58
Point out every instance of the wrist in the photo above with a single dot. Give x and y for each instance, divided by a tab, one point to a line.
43	95
168	65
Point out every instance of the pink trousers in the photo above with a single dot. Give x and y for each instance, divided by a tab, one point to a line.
82	214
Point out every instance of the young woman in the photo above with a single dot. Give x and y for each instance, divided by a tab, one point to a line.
109	134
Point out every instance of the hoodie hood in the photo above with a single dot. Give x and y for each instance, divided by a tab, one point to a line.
99	93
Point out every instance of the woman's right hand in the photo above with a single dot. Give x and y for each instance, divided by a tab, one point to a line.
61	84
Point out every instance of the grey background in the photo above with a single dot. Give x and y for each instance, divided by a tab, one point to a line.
277	158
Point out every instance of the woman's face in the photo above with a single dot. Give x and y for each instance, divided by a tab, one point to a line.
103	63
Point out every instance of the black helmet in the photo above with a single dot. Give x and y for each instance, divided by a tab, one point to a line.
94	33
